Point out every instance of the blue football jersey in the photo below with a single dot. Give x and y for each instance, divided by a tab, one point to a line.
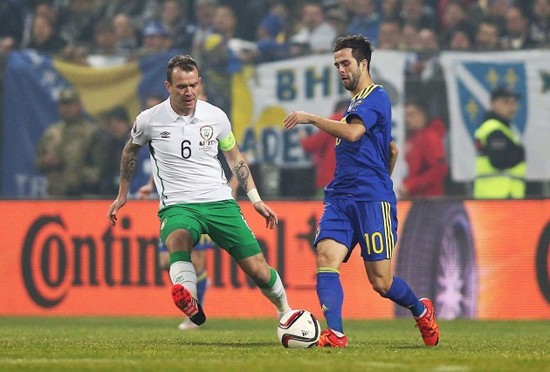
362	167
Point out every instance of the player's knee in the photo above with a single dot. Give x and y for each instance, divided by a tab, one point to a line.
261	275
327	259
258	270
179	240
381	286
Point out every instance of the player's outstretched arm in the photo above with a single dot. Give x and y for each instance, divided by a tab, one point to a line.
350	132
128	163
241	172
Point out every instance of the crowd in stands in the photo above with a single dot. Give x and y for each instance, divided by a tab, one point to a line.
223	35
117	30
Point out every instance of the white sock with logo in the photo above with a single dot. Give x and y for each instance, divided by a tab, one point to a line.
182	272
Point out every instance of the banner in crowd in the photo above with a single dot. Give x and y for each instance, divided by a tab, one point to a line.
271	90
63	258
471	77
32	84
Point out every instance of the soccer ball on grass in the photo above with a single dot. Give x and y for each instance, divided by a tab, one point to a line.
299	329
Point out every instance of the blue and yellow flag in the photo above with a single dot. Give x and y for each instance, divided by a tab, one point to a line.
32	83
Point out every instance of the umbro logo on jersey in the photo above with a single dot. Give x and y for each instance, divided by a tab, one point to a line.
165	135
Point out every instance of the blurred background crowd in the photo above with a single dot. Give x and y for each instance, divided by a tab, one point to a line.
225	35
107	32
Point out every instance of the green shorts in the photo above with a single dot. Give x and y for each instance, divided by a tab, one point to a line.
222	220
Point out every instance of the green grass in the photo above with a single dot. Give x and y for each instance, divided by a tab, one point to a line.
155	344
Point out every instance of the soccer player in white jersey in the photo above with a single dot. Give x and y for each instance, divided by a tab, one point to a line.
183	134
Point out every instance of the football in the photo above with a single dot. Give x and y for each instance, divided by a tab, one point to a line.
299	329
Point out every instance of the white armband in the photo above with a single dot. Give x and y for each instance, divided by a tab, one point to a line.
254	196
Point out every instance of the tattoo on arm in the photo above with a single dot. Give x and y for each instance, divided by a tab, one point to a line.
128	161
242	173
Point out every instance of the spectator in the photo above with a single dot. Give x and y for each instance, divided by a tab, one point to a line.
103	52
338	19
127	42
320	145
495	11
390	9
249	15
12	20
390	36
271	41
423	63
460	38
177	25
454	14
117	133
410	35
416	13
223	54
517	35
424	153
139	12
43	36
315	35
45	8
70	152
365	20
155	39
424	74
204	15
487	37
500	161
77	21
540	22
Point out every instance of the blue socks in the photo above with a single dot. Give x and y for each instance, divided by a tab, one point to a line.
331	297
401	294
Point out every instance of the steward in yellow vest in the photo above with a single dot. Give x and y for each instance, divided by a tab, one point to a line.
500	161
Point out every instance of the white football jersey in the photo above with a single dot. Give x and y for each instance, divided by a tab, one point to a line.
184	152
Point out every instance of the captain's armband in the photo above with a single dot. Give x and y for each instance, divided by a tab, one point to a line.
228	142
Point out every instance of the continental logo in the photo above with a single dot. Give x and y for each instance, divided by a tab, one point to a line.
54	261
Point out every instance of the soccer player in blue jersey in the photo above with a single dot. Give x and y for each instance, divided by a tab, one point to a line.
360	204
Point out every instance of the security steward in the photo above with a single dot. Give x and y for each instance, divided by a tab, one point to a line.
500	161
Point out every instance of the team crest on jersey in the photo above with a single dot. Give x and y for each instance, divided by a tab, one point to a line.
165	134
206	133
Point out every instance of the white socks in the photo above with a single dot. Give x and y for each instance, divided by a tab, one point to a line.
277	295
183	273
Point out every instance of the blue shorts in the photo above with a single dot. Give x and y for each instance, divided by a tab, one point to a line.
204	243
371	224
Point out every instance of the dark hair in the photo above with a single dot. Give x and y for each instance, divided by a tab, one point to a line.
183	62
361	47
419	104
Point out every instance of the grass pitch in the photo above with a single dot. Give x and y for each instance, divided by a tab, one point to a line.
155	344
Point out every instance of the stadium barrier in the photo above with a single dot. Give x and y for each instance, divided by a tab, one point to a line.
477	259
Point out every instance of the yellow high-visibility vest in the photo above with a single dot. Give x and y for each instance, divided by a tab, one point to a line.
493	183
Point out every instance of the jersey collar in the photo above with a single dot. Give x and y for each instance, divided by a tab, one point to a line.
175	116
